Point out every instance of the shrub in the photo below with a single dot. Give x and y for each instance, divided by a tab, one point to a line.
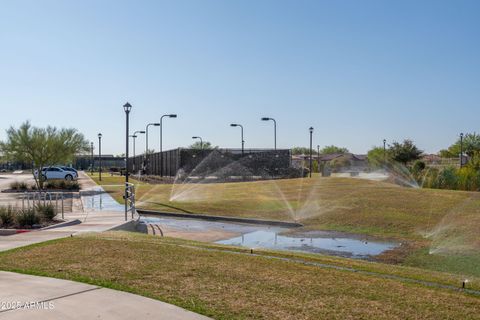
27	218
418	166
46	212
72	185
62	185
468	179
23	186
51	185
7	216
15	185
448	178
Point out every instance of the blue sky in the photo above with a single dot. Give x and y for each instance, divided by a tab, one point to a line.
357	71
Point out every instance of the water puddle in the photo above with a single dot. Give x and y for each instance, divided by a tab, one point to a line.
98	199
276	238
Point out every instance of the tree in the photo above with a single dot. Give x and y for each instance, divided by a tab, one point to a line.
404	152
377	156
333	149
43	146
471	144
198	145
301	150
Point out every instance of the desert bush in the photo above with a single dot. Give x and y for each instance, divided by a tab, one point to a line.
72	185
7	216
448	178
15	185
468	179
418	166
23	186
46	212
27	218
51	184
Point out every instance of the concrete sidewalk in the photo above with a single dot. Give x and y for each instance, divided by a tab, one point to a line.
33	297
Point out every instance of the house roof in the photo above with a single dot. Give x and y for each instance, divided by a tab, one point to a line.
330	157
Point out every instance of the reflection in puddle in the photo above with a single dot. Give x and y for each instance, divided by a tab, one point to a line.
340	245
256	236
99	200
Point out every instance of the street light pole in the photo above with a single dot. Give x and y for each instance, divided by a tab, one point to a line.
243	141
127	107
384	152
201	141
318	158
156	124
461	150
311	151
134	136
274	130
161	142
92	162
100	157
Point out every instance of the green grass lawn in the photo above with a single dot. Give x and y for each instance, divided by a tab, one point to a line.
226	285
442	222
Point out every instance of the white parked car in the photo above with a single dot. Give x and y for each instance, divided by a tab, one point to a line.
57	173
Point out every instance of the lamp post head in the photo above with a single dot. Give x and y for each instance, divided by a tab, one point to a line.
134	136
384	141
127	107
310	129
461	135
172	115
266	118
156	124
99	136
233	125
141	132
195	137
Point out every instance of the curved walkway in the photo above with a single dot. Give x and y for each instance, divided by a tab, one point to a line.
25	296
32	297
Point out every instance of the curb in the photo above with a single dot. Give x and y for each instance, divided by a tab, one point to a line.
221	218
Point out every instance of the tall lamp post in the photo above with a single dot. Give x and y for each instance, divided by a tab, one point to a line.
134	137
156	124
384	152
461	150
274	130
311	151
100	157
127	107
161	142
243	141
92	162
318	158
201	141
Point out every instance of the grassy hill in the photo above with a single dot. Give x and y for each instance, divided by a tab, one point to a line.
440	227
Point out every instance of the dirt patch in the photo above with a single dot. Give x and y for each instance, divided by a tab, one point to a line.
205	236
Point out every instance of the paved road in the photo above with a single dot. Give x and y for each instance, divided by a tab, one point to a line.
47	298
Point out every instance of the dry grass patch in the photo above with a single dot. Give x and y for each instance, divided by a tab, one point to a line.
228	285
